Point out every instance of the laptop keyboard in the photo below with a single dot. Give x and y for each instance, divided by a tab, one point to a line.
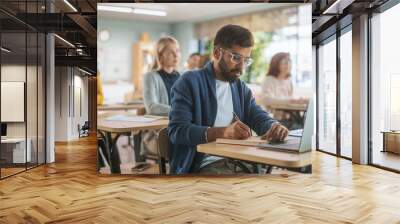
291	144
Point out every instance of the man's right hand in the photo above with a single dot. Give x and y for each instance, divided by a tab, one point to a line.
237	130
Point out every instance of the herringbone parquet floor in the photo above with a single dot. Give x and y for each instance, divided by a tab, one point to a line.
70	191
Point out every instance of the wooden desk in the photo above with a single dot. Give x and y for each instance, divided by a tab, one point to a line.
14	152
257	155
391	141
125	126
106	128
289	107
295	111
124	107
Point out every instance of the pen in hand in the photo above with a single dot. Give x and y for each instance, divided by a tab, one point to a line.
236	118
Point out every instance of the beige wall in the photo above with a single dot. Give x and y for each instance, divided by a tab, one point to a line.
71	102
17	73
35	123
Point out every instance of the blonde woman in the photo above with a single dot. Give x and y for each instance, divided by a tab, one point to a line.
157	84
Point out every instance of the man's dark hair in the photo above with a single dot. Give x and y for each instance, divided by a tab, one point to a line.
194	54
231	35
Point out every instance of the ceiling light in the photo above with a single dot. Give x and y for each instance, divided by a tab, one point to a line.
331	7
84	71
338	6
65	41
150	12
5	49
104	35
131	10
79	51
70	5
114	8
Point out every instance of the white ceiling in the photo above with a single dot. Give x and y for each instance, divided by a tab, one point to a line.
180	12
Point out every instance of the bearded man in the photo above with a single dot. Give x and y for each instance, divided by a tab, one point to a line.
213	102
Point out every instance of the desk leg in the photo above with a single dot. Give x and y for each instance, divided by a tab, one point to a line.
242	166
161	160
304	169
262	169
102	153
384	143
161	165
268	169
114	154
107	152
255	168
137	139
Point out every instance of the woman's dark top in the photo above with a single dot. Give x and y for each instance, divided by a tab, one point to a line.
169	79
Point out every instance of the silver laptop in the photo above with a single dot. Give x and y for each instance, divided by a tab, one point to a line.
296	142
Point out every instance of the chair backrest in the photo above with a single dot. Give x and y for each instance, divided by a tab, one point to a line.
86	125
163	143
141	111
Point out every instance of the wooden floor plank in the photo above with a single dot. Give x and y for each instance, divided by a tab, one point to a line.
70	191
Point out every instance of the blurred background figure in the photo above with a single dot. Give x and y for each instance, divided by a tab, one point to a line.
193	61
204	59
277	90
157	84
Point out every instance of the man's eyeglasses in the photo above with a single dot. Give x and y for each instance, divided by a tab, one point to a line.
237	58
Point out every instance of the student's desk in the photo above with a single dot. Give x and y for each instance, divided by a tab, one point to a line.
289	107
106	128
258	155
13	150
293	109
124	107
391	141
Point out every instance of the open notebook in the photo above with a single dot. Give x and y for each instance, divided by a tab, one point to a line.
139	119
252	141
298	141
155	116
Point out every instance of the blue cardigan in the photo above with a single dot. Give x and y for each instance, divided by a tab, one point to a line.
194	108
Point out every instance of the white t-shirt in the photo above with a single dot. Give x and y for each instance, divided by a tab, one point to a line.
224	104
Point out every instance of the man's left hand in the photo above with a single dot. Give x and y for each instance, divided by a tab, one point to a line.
277	132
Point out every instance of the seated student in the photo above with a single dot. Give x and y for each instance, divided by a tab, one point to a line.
203	102
157	86
193	61
204	59
277	87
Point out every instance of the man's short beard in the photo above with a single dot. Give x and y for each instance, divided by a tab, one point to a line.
225	72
